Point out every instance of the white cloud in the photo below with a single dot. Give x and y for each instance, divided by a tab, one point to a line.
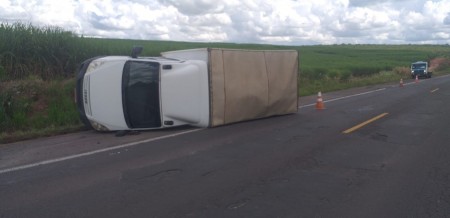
12	11
243	21
189	7
447	19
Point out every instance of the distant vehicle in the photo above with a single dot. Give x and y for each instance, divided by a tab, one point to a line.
200	87
420	69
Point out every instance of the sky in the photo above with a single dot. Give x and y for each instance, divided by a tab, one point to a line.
282	22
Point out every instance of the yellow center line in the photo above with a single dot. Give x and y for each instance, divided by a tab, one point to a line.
365	123
434	90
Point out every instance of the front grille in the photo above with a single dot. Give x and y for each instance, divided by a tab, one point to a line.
86	96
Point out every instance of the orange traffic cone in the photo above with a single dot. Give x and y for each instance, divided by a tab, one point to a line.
417	79
401	82
319	103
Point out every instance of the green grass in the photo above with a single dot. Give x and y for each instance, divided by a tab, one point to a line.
336	67
37	107
38	66
363	60
310	87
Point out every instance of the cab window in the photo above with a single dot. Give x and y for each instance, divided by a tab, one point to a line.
140	94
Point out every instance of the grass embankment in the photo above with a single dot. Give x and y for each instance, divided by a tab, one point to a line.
38	66
33	107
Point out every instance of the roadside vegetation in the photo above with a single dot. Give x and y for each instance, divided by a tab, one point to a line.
38	67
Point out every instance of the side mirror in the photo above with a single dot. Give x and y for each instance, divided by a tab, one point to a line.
136	51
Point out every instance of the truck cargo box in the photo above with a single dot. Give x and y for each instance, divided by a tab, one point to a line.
205	87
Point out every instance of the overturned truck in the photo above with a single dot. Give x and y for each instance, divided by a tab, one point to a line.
205	87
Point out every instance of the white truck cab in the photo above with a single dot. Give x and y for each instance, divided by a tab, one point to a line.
420	69
124	93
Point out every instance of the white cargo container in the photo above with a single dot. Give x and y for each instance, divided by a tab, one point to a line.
205	87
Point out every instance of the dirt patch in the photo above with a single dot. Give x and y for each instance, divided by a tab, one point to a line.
437	63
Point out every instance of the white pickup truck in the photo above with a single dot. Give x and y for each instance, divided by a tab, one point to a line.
205	87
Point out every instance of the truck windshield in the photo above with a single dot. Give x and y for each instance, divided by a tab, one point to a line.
140	94
418	66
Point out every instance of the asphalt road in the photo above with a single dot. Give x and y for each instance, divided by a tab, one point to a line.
395	164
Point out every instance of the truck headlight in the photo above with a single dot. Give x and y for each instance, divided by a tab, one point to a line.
98	126
94	65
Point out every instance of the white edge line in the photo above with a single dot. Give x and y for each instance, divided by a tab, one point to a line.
45	162
349	96
434	90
